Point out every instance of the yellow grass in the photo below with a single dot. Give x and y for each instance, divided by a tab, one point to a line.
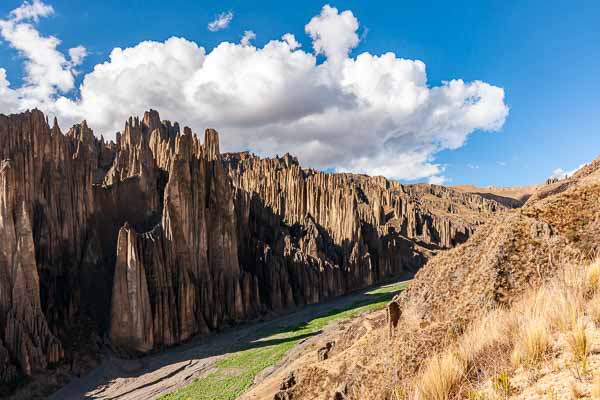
442	377
592	279
492	331
522	335
579	343
563	305
593	309
446	374
532	342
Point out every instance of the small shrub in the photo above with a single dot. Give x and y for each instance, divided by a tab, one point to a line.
572	235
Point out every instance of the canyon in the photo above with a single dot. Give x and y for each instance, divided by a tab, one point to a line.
454	332
156	238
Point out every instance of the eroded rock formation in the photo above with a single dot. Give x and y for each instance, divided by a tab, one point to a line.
313	235
157	238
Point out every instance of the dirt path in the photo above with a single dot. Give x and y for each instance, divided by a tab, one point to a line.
155	375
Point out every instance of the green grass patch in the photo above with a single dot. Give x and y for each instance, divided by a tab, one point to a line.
234	373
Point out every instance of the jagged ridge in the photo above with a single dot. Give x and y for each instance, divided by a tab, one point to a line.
157	238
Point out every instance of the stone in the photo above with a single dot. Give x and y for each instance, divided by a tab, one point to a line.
393	316
323	352
288	382
282	395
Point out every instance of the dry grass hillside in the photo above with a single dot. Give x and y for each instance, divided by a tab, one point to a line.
546	345
478	317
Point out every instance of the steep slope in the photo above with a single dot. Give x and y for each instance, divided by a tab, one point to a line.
516	251
157	238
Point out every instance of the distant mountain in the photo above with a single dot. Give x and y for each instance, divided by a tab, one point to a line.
511	197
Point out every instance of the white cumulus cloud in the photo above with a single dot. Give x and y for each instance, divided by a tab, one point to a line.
561	173
220	22
438	180
47	71
247	37
77	54
291	41
334	34
367	113
31	11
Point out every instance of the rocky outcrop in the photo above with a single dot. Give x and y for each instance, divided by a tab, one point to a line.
158	238
309	235
25	337
45	204
131	323
343	203
187	263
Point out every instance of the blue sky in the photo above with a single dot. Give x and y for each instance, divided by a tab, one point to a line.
544	54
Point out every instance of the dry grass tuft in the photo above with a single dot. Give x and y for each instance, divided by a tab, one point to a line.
533	342
563	301
446	374
579	344
484	340
522	335
593	309
592	278
442	377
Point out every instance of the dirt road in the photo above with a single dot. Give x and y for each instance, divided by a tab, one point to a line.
155	375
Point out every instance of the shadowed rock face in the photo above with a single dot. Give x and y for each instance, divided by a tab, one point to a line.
45	205
311	235
158	238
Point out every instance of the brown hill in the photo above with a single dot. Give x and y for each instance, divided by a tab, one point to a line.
512	197
559	226
154	239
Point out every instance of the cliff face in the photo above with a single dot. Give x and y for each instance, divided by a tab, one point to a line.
45	204
157	238
181	278
310	235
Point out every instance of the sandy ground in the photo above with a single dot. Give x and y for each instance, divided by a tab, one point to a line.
155	375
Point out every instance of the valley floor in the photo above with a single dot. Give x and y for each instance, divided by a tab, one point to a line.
225	365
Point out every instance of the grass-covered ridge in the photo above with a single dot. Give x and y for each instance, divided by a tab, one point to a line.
544	346
234	374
